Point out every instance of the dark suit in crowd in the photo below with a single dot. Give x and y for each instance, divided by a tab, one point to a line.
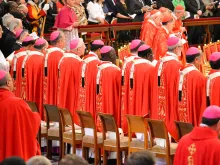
165	3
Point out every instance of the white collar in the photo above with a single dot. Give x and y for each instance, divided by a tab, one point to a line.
172	54
203	125
93	53
167	31
152	22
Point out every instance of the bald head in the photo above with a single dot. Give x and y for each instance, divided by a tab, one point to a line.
38	160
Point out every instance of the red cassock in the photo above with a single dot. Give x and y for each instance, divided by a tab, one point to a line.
140	87
125	73
199	147
19	127
108	90
87	98
150	32
143	27
70	67
16	70
212	88
192	100
32	79
52	58
165	91
160	42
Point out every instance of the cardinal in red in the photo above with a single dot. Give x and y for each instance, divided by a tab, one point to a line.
87	98
52	57
202	145
213	80
165	86
19	125
125	77
32	74
192	100
160	40
108	85
70	68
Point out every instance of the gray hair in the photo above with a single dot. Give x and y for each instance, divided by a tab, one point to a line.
3	81
22	6
171	48
13	24
6	19
38	160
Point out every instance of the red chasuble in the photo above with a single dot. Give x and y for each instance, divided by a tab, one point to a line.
52	58
160	43
70	67
192	100
213	88
200	147
108	90
19	127
165	91
87	98
150	32
32	75
125	77
140	85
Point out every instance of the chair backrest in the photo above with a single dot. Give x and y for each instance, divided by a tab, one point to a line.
67	118
53	114
212	47
207	52
33	106
183	128
218	46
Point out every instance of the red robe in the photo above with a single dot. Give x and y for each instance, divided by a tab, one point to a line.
52	58
143	27
201	146
70	67
160	43
19	127
87	98
108	90
212	89
140	91
165	92
32	87
150	32
192	95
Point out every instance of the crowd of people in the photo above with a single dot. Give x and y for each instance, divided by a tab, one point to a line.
159	78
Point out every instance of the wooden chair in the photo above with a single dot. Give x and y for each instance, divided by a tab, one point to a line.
42	133
115	144
183	128
158	129
54	133
92	140
73	137
137	124
218	45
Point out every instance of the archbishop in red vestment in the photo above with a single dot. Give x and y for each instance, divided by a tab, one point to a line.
201	146
19	125
70	68
165	86
52	57
192	100
213	80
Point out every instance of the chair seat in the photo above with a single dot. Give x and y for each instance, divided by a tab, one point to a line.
137	143
90	139
43	130
112	142
54	131
69	135
162	150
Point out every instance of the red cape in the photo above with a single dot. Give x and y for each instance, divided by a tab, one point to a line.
69	83
165	96
193	101
51	75
149	33
19	127
201	146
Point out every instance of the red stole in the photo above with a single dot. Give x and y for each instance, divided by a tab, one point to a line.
19	127
52	58
70	67
192	101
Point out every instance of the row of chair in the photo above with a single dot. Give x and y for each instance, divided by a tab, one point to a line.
67	133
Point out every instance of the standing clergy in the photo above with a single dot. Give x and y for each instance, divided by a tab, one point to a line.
192	101
87	98
213	80
70	68
160	40
19	125
165	88
202	145
32	74
53	55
